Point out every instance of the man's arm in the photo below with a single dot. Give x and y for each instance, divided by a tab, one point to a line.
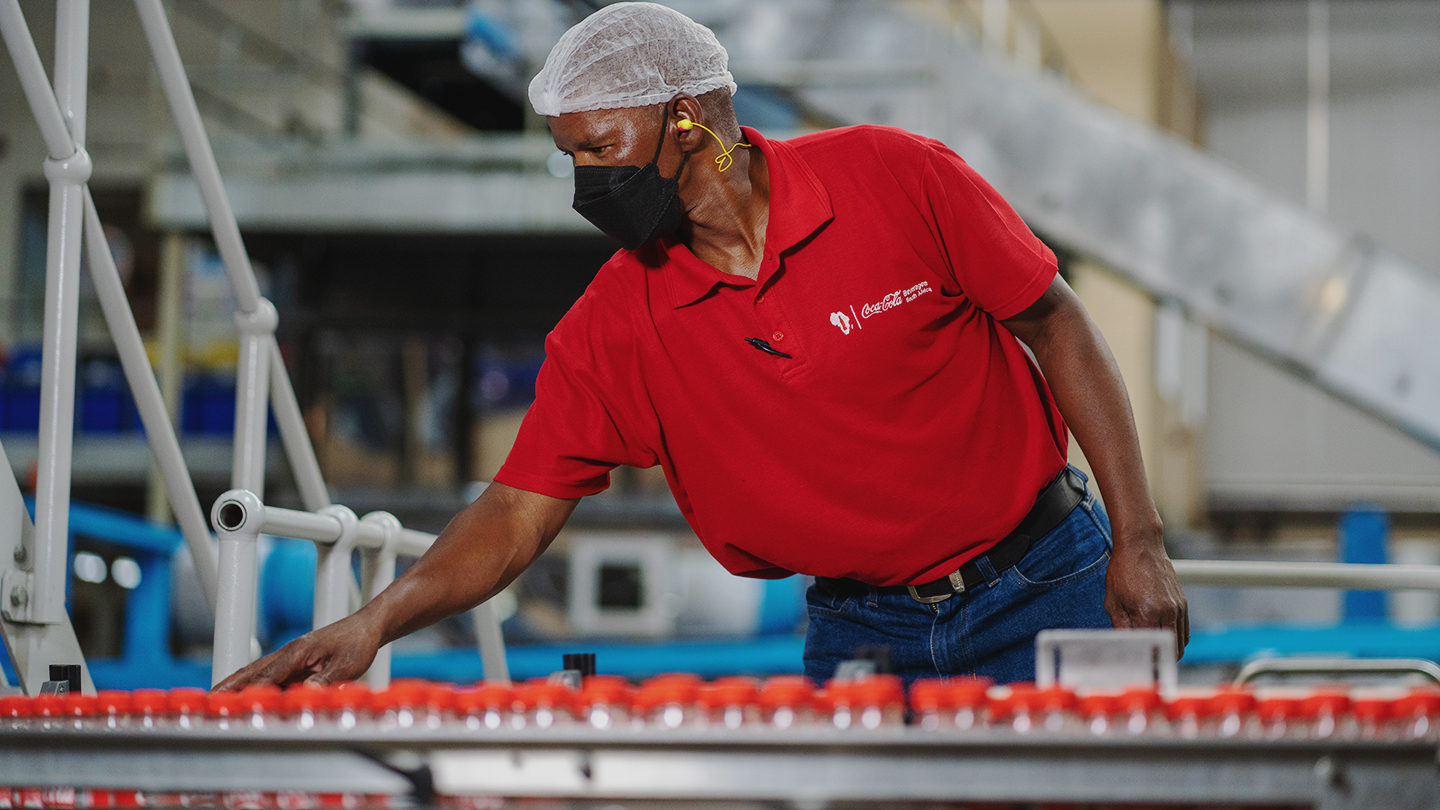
1141	589
483	549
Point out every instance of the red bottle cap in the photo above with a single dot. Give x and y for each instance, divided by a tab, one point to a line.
484	697
1099	705
14	706
1329	702
1142	700
970	691
187	700
301	698
1232	701
224	704
875	690
540	694
1418	702
261	698
149	701
1278	707
653	694
48	705
790	691
725	692
1372	709
109	701
1190	706
350	695
931	695
1055	699
79	704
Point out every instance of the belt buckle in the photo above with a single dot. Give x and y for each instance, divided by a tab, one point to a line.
957	584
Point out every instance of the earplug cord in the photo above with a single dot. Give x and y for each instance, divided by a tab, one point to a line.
725	160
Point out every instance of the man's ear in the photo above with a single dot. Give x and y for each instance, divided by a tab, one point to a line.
684	113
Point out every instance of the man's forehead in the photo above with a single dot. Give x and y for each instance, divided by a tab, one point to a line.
579	128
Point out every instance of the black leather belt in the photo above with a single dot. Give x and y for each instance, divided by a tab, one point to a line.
1054	503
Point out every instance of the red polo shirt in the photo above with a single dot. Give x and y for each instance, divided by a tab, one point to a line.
908	431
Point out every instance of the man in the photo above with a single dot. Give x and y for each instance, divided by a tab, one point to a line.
817	341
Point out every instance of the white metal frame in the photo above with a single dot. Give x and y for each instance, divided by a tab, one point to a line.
35	585
34	621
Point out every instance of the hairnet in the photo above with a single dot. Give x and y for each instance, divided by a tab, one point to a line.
629	55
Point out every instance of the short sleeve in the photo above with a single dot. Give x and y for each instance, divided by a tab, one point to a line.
588	414
994	258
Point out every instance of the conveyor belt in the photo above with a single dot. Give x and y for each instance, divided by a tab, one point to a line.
806	767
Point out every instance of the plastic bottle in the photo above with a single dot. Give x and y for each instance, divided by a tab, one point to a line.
1281	717
542	704
604	702
1015	707
148	708
486	707
1055	707
1325	714
347	706
187	708
1098	712
14	713
1374	715
668	701
303	707
1141	712
787	701
396	708
47	711
872	702
1191	715
260	706
933	704
80	710
1417	715
225	710
1234	712
437	706
729	702
112	710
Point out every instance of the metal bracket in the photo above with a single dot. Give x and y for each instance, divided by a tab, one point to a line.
16	586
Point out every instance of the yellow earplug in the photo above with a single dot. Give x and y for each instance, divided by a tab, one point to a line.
724	160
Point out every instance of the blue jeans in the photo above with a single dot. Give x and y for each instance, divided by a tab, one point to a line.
990	629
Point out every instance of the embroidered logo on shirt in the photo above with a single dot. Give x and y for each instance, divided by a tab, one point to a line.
895	299
841	320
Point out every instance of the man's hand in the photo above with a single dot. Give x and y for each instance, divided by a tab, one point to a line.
338	652
1141	589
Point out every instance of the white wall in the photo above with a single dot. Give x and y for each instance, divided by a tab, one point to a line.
1273	441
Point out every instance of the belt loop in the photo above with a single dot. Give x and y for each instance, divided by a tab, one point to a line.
987	570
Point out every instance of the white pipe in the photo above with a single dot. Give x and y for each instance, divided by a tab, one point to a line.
197	149
62	307
296	440
332	568
252	395
33	81
377	571
235	603
491	643
1308	575
239	509
159	430
1317	108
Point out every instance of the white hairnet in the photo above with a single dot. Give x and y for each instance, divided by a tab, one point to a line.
629	55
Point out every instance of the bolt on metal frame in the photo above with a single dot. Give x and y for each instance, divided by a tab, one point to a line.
229	578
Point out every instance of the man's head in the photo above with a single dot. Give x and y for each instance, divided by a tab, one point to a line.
615	88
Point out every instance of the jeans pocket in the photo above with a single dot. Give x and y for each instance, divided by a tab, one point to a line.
818	597
1072	551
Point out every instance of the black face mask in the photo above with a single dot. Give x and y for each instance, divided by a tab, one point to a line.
631	204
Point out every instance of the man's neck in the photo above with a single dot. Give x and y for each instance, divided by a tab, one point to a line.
729	212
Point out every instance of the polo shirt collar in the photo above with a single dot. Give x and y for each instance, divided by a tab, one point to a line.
794	190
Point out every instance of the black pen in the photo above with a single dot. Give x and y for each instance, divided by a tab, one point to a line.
766	347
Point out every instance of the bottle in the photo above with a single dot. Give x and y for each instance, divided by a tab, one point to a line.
1140	709
112	710
1417	715
437	706
80	710
395	708
148	708
1055	707
933	703
260	706
186	708
729	702
1098	712
542	704
786	701
488	706
1014	707
872	702
1374	714
347	706
969	697
668	701
1280	717
303	707
1325	714
15	713
48	711
224	710
604	701
1234	713
1191	715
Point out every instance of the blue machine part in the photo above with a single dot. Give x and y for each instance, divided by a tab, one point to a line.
287	592
1364	536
